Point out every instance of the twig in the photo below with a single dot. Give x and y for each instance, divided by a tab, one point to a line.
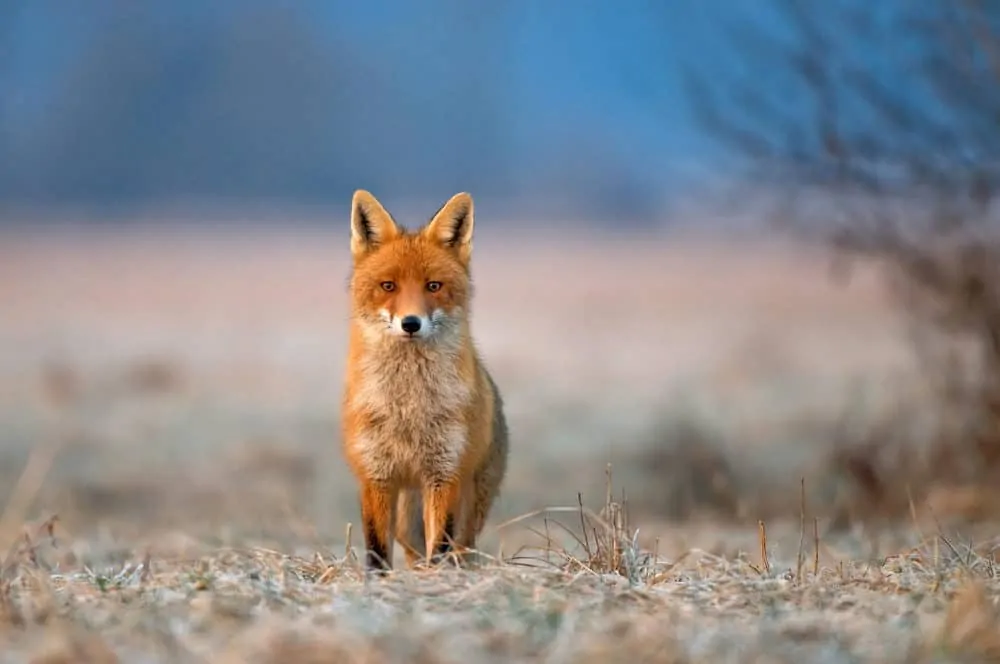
591	516
815	547
913	514
802	528
583	524
548	541
147	563
567	530
765	563
607	472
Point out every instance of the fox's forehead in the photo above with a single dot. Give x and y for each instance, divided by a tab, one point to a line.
411	257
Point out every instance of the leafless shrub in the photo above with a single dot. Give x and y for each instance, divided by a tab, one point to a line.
60	383
686	471
877	133
153	376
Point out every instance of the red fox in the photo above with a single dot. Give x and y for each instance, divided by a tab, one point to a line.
424	431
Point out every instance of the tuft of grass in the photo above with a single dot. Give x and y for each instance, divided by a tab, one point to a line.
604	542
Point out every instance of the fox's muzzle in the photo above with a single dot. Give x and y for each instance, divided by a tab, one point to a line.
410	326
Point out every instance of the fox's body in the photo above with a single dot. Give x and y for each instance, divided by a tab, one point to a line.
423	425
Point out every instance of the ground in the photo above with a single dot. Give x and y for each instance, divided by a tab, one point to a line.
174	489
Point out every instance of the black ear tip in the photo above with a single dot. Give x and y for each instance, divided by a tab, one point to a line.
463	203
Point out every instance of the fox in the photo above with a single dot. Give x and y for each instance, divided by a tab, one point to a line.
423	425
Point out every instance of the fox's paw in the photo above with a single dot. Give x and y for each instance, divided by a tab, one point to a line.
376	565
469	560
437	562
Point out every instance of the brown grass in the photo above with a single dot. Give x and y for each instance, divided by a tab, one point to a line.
255	604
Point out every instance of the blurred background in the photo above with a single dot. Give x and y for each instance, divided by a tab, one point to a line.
264	105
667	196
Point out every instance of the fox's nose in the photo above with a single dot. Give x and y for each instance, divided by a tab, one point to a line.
410	324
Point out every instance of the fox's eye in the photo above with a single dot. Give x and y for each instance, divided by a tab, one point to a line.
388	286
433	286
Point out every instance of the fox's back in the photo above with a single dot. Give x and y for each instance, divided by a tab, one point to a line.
494	466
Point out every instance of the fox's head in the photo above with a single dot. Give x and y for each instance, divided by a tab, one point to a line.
411	286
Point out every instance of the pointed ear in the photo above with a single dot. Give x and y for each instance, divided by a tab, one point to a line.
371	224
452	225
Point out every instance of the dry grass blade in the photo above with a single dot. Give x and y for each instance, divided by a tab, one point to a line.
583	524
802	530
590	515
765	564
147	566
815	547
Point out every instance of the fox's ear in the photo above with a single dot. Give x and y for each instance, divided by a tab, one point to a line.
452	225
371	224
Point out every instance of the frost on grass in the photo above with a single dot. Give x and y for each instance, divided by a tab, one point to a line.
932	603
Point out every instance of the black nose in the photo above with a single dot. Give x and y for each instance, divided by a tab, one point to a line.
410	324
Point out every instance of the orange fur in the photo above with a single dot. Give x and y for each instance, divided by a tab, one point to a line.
423	425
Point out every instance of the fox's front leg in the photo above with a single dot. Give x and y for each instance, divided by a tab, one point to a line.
378	504
467	523
440	507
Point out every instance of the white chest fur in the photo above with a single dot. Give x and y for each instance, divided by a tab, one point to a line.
414	400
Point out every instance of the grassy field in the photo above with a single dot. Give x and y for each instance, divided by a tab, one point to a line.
174	490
